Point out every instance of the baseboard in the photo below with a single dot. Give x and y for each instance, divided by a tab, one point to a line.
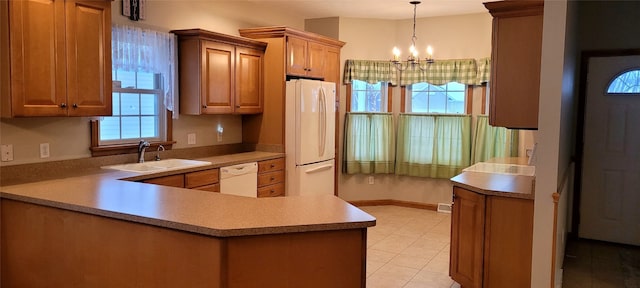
382	202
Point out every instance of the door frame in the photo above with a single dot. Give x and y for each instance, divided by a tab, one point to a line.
579	146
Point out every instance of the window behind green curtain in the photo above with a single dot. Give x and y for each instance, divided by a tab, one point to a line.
491	142
432	145
369	143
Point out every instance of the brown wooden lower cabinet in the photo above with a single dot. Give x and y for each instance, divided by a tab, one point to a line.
491	240
171	180
50	247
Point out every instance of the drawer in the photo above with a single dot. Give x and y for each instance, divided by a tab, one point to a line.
271	165
271	190
201	178
173	181
269	178
210	188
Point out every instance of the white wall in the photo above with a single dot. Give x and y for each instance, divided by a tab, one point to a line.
556	129
69	137
453	37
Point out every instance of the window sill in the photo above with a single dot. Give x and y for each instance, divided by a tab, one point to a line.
127	148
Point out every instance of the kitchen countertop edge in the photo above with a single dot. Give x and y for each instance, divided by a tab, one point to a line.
58	201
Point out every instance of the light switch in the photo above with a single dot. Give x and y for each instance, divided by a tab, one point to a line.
191	138
44	150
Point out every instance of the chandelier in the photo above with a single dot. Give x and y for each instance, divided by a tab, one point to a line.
412	59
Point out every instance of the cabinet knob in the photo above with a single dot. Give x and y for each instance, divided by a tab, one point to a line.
237	106
63	105
273	178
204	106
273	165
75	106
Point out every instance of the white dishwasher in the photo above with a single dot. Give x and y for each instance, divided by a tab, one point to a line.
241	179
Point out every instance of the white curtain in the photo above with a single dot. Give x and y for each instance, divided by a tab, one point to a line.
143	50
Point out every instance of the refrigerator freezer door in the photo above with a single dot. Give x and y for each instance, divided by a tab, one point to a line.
312	179
315	121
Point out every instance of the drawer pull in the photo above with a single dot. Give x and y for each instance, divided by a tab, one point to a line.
273	178
273	165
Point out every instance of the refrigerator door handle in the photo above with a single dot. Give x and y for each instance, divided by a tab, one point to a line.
318	169
322	131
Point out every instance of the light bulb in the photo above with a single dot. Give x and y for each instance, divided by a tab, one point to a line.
429	52
396	53
413	51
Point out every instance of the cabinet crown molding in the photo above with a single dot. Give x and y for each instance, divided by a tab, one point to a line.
221	38
514	8
282	31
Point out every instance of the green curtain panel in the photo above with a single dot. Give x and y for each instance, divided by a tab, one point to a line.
370	71
433	145
493	142
441	72
369	143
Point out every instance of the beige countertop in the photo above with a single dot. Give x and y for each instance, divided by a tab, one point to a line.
506	185
106	194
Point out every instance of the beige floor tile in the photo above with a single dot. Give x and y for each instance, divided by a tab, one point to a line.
431	279
410	261
379	255
373	266
439	265
394	243
408	248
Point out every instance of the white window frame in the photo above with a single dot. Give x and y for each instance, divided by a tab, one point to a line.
408	105
385	96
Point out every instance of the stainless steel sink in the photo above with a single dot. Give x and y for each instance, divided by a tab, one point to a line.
158	166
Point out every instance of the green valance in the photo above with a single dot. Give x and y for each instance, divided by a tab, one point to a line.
484	70
441	72
370	71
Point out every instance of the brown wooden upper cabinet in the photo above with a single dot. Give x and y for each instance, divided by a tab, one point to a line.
59	58
305	58
220	74
515	63
291	53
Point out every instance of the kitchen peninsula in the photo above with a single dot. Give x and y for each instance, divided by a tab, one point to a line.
492	224
99	230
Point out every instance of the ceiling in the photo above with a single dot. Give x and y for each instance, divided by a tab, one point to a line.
374	9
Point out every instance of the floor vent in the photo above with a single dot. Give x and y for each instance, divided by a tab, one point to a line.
444	207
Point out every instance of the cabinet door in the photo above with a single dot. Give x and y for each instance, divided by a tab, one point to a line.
467	237
316	58
515	70
88	30
249	80
38	60
296	56
508	242
217	77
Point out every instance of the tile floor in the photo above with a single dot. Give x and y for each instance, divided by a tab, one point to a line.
408	248
590	263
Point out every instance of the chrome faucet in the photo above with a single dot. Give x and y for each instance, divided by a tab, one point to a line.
160	147
142	146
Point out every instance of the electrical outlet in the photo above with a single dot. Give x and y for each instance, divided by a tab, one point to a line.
7	152
371	180
44	150
220	130
191	138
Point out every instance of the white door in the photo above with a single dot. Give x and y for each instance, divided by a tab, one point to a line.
315	125
610	197
313	179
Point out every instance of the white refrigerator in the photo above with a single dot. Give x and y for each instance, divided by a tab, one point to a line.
310	137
